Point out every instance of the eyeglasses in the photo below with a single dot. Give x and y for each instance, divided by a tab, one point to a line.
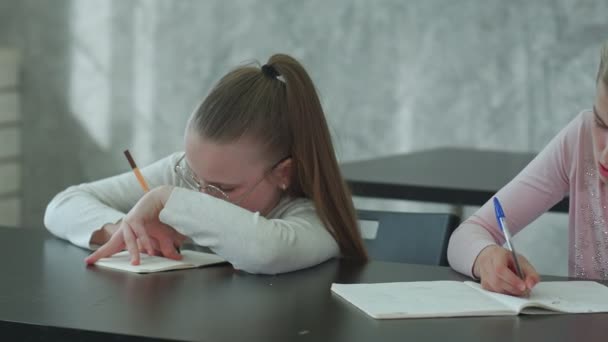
183	170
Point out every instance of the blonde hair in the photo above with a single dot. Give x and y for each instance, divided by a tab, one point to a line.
602	73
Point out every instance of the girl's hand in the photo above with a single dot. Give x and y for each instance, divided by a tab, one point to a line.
496	269
104	234
155	244
142	226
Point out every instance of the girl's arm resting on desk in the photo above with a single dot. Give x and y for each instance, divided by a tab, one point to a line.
249	241
539	186
75	215
80	211
465	245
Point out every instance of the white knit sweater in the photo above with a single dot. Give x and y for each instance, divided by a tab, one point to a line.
289	238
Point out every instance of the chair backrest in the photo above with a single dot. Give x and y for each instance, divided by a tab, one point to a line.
416	238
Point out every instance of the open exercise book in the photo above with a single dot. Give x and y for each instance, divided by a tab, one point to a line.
149	264
455	298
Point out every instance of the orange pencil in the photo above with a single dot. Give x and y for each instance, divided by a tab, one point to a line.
138	174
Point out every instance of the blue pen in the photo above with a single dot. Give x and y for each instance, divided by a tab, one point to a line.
502	223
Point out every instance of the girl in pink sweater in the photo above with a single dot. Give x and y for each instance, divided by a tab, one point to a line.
574	164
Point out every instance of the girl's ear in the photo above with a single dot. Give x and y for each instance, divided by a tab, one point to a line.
282	174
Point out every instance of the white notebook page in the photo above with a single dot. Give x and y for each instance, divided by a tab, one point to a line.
149	264
560	296
420	299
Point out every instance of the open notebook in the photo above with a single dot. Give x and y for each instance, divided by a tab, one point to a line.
149	264
455	298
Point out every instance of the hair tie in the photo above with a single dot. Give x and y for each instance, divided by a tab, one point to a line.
271	72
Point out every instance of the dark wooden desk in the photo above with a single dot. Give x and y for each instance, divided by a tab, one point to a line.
445	175
47	293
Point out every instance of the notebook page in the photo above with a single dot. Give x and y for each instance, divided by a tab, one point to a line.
197	259
559	296
148	263
419	299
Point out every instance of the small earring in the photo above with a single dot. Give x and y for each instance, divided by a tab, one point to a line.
284	187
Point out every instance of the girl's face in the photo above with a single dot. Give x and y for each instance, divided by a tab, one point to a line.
240	169
600	130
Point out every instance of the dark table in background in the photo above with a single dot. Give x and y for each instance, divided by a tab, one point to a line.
458	176
47	293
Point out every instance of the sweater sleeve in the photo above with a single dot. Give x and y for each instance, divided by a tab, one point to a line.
539	186
296	239
75	213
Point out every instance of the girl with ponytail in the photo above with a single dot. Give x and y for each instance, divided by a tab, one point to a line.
258	183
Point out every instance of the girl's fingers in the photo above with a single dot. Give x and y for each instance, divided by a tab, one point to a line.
498	276
113	246
155	247
179	239
168	249
532	277
160	232
531	281
139	230
509	282
131	243
155	244
497	285
140	248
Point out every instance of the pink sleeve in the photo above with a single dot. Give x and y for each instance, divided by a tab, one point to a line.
539	186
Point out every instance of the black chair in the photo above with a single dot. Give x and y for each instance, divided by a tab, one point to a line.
415	238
